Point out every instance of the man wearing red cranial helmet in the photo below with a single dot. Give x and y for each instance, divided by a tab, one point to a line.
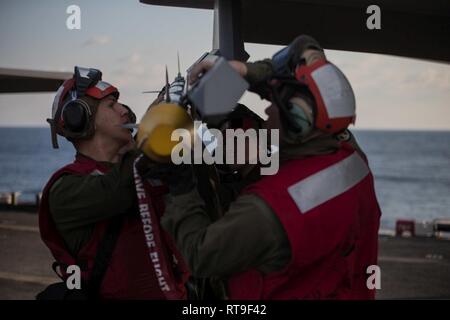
310	231
97	213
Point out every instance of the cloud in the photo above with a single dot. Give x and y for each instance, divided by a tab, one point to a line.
436	77
137	74
135	58
97	41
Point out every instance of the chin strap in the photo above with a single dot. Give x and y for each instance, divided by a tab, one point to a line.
53	133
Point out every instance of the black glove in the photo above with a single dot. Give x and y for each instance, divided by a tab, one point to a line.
285	60
179	178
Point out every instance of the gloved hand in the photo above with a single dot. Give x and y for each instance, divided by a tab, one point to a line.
205	65
179	178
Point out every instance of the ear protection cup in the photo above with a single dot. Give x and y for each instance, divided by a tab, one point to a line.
76	116
300	123
293	117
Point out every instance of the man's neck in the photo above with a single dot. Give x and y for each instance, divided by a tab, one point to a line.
100	150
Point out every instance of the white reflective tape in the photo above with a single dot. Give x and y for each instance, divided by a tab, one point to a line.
102	85
336	92
84	72
328	183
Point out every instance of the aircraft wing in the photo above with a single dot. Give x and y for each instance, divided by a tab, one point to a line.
20	81
409	28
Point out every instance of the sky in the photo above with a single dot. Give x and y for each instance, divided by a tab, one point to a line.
131	43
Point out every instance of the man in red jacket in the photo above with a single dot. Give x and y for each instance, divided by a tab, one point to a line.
311	230
90	215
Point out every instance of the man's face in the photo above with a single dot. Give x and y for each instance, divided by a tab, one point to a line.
109	117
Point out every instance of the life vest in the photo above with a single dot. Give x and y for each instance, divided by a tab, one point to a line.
144	263
329	211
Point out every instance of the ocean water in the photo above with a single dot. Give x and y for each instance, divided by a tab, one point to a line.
411	168
412	173
27	159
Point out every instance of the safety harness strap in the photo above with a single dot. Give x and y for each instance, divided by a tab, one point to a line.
155	241
103	256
